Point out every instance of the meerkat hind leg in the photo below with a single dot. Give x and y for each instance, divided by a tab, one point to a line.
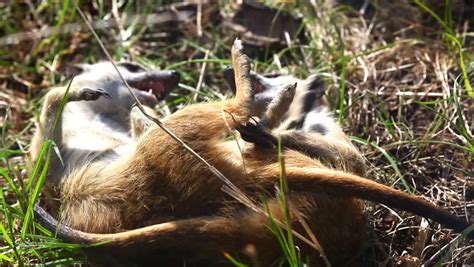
206	119
241	64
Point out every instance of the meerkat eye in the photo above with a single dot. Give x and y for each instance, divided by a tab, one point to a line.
132	67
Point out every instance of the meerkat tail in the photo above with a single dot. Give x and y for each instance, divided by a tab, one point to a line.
301	179
346	184
203	230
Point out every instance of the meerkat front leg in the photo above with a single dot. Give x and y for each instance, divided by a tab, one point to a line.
333	152
50	111
337	153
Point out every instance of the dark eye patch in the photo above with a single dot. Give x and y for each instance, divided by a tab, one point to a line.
318	128
132	67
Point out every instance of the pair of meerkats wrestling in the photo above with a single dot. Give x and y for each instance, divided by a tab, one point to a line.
123	182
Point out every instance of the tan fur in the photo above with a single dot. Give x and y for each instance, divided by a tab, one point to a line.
160	182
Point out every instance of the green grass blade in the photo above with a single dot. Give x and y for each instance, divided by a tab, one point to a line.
5	257
61	106
47	143
10	224
284	237
449	34
390	159
5	235
233	260
465	75
13	186
278	233
191	61
342	87
36	192
283	201
62	15
453	246
45	153
38	165
464	131
434	15
5	153
4	126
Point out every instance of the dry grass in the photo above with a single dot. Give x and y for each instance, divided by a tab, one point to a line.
404	99
405	95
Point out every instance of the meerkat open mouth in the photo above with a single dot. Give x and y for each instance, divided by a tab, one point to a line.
155	84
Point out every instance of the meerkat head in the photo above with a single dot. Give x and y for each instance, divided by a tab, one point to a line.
150	86
268	87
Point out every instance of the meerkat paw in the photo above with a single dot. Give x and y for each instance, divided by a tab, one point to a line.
257	134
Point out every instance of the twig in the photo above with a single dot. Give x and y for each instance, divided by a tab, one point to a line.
442	250
201	75
118	19
233	135
315	241
199	18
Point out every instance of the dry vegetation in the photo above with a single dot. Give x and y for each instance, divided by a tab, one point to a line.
394	75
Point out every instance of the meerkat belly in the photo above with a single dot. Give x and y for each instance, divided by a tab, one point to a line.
87	138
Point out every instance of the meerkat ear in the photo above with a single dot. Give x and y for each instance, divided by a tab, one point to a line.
316	84
314	88
229	78
132	67
74	70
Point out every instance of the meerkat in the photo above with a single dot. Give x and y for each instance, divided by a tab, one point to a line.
160	204
94	125
306	124
309	98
